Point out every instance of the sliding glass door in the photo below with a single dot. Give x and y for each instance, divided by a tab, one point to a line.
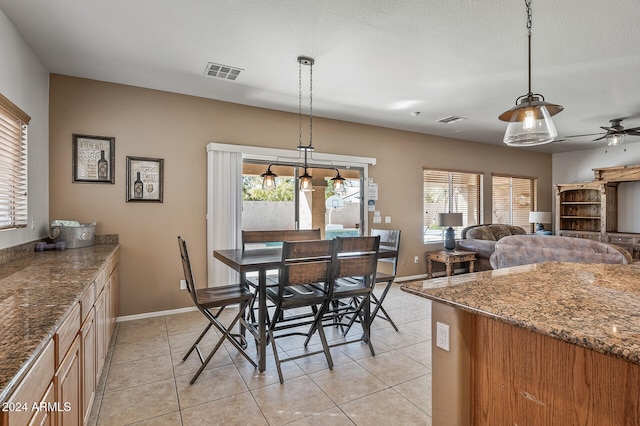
286	207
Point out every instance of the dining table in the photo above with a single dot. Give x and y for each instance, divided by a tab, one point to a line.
262	260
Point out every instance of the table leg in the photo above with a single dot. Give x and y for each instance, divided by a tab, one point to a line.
449	271
262	320
429	269
471	262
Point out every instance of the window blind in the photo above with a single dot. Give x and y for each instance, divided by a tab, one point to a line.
450	191
13	165
512	200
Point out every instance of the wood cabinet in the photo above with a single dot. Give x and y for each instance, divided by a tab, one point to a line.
59	387
590	209
587	210
69	387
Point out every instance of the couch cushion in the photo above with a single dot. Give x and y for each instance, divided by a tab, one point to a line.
528	249
481	233
500	231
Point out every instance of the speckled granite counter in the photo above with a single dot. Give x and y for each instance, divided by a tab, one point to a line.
37	291
595	306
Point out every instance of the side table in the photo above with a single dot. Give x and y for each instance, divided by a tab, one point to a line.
449	258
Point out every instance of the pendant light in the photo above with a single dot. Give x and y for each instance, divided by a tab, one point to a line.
306	184
530	120
269	179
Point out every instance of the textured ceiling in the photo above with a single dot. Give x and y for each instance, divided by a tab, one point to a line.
377	61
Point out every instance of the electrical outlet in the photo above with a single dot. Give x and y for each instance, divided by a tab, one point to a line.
183	285
442	336
416	260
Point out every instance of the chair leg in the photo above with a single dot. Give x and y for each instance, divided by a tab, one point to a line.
195	345
379	306
366	327
226	335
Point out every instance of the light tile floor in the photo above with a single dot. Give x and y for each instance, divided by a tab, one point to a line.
145	381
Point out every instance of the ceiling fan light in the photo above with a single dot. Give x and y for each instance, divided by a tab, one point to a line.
530	126
615	139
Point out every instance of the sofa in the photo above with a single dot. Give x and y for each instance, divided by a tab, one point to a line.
526	249
482	239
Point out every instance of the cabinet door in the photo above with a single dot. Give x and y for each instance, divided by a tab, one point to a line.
100	321
45	417
88	350
68	379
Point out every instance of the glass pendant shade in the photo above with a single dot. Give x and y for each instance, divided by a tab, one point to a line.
338	182
305	182
268	180
530	125
615	139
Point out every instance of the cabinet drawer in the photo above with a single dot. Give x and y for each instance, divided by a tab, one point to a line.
101	280
66	333
87	301
43	416
621	239
33	386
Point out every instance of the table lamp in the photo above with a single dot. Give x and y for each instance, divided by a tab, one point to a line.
450	220
539	218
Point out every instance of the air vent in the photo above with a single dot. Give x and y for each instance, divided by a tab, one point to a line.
222	71
451	119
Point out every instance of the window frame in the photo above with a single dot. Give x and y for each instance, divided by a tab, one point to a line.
523	213
454	178
14	172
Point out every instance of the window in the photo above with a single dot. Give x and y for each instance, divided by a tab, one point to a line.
13	165
447	191
512	200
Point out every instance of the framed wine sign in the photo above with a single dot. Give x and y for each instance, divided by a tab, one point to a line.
94	159
145	179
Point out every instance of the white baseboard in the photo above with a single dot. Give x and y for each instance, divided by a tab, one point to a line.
155	314
410	278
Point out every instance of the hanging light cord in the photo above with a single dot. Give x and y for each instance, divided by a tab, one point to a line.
527	3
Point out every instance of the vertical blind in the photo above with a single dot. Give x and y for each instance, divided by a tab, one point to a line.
513	199
447	191
13	165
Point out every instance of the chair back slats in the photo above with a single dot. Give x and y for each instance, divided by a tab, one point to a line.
389	240
355	257
278	236
305	262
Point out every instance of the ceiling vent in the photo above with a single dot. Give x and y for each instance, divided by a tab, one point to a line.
451	119
222	71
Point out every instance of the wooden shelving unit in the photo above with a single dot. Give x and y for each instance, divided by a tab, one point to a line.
590	209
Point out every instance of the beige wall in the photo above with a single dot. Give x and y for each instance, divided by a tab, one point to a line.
156	124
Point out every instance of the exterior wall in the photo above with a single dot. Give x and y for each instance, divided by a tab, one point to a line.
149	123
25	82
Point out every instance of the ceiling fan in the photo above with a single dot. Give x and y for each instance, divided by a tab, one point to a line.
615	133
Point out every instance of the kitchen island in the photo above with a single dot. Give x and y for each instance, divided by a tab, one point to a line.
548	343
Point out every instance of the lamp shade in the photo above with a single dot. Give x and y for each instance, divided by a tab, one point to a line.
450	219
539	217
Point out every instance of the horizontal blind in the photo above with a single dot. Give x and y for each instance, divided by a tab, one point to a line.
512	200
450	191
13	165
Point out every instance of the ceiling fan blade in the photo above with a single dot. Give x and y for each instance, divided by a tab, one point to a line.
602	137
579	136
632	130
608	129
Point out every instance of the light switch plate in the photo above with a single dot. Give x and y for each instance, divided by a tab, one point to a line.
442	336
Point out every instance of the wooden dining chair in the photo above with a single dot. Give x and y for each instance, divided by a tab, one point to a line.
353	273
270	238
304	282
211	298
385	274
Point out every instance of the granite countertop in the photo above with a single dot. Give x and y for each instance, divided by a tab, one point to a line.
37	291
596	306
